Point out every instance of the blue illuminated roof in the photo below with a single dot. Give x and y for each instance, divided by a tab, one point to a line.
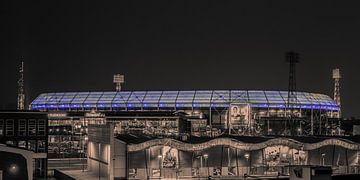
180	99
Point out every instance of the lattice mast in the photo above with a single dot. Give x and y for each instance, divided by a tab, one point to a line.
337	77
21	91
118	80
292	58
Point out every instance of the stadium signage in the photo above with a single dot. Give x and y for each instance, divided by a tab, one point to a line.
91	114
57	115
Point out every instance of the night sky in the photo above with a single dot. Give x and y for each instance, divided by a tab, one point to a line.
167	45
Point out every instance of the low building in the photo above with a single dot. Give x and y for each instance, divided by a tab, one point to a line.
27	132
16	164
142	157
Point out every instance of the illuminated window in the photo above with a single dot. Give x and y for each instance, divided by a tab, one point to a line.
9	127
22	144
22	127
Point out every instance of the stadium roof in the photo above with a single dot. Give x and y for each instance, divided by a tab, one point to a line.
180	99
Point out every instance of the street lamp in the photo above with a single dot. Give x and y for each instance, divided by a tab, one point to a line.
160	159
206	156
247	157
323	158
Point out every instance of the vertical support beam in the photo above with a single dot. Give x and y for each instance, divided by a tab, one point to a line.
146	164
237	162
346	160
210	121
333	155
312	122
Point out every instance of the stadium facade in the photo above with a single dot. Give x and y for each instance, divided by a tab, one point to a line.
244	112
176	132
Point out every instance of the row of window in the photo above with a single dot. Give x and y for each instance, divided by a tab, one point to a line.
32	145
29	127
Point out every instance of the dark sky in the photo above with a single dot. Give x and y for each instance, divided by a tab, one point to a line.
168	45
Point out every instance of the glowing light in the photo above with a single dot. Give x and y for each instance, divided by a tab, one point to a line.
13	169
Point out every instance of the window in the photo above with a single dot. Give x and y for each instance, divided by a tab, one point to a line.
9	127
22	127
32	145
32	127
10	143
1	127
41	127
22	144
41	146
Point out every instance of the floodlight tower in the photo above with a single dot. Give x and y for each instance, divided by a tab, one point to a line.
21	91
337	77
292	58
118	80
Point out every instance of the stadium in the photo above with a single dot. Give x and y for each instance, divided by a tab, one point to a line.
254	132
242	112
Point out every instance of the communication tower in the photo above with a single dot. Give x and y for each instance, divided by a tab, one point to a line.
21	91
337	77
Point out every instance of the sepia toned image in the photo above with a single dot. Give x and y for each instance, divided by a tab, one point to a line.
179	90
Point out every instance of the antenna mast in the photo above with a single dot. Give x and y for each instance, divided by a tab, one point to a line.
21	91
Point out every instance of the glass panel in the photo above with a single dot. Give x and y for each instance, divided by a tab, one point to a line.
169	97
185	97
220	97
202	97
152	97
136	97
239	96
121	98
257	97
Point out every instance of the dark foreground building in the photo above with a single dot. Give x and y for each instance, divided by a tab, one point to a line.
25	132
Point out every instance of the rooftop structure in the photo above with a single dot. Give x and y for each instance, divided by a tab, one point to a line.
179	100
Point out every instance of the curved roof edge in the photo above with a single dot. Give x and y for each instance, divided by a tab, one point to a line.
231	142
179	99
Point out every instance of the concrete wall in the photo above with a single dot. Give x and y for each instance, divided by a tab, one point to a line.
119	157
22	159
94	160
100	151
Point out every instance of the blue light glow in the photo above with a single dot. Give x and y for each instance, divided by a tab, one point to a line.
186	99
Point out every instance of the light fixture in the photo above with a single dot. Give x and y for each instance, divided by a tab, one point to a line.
13	169
206	156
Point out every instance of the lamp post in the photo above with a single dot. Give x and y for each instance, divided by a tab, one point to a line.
82	149
247	156
206	156
99	160
160	159
323	159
